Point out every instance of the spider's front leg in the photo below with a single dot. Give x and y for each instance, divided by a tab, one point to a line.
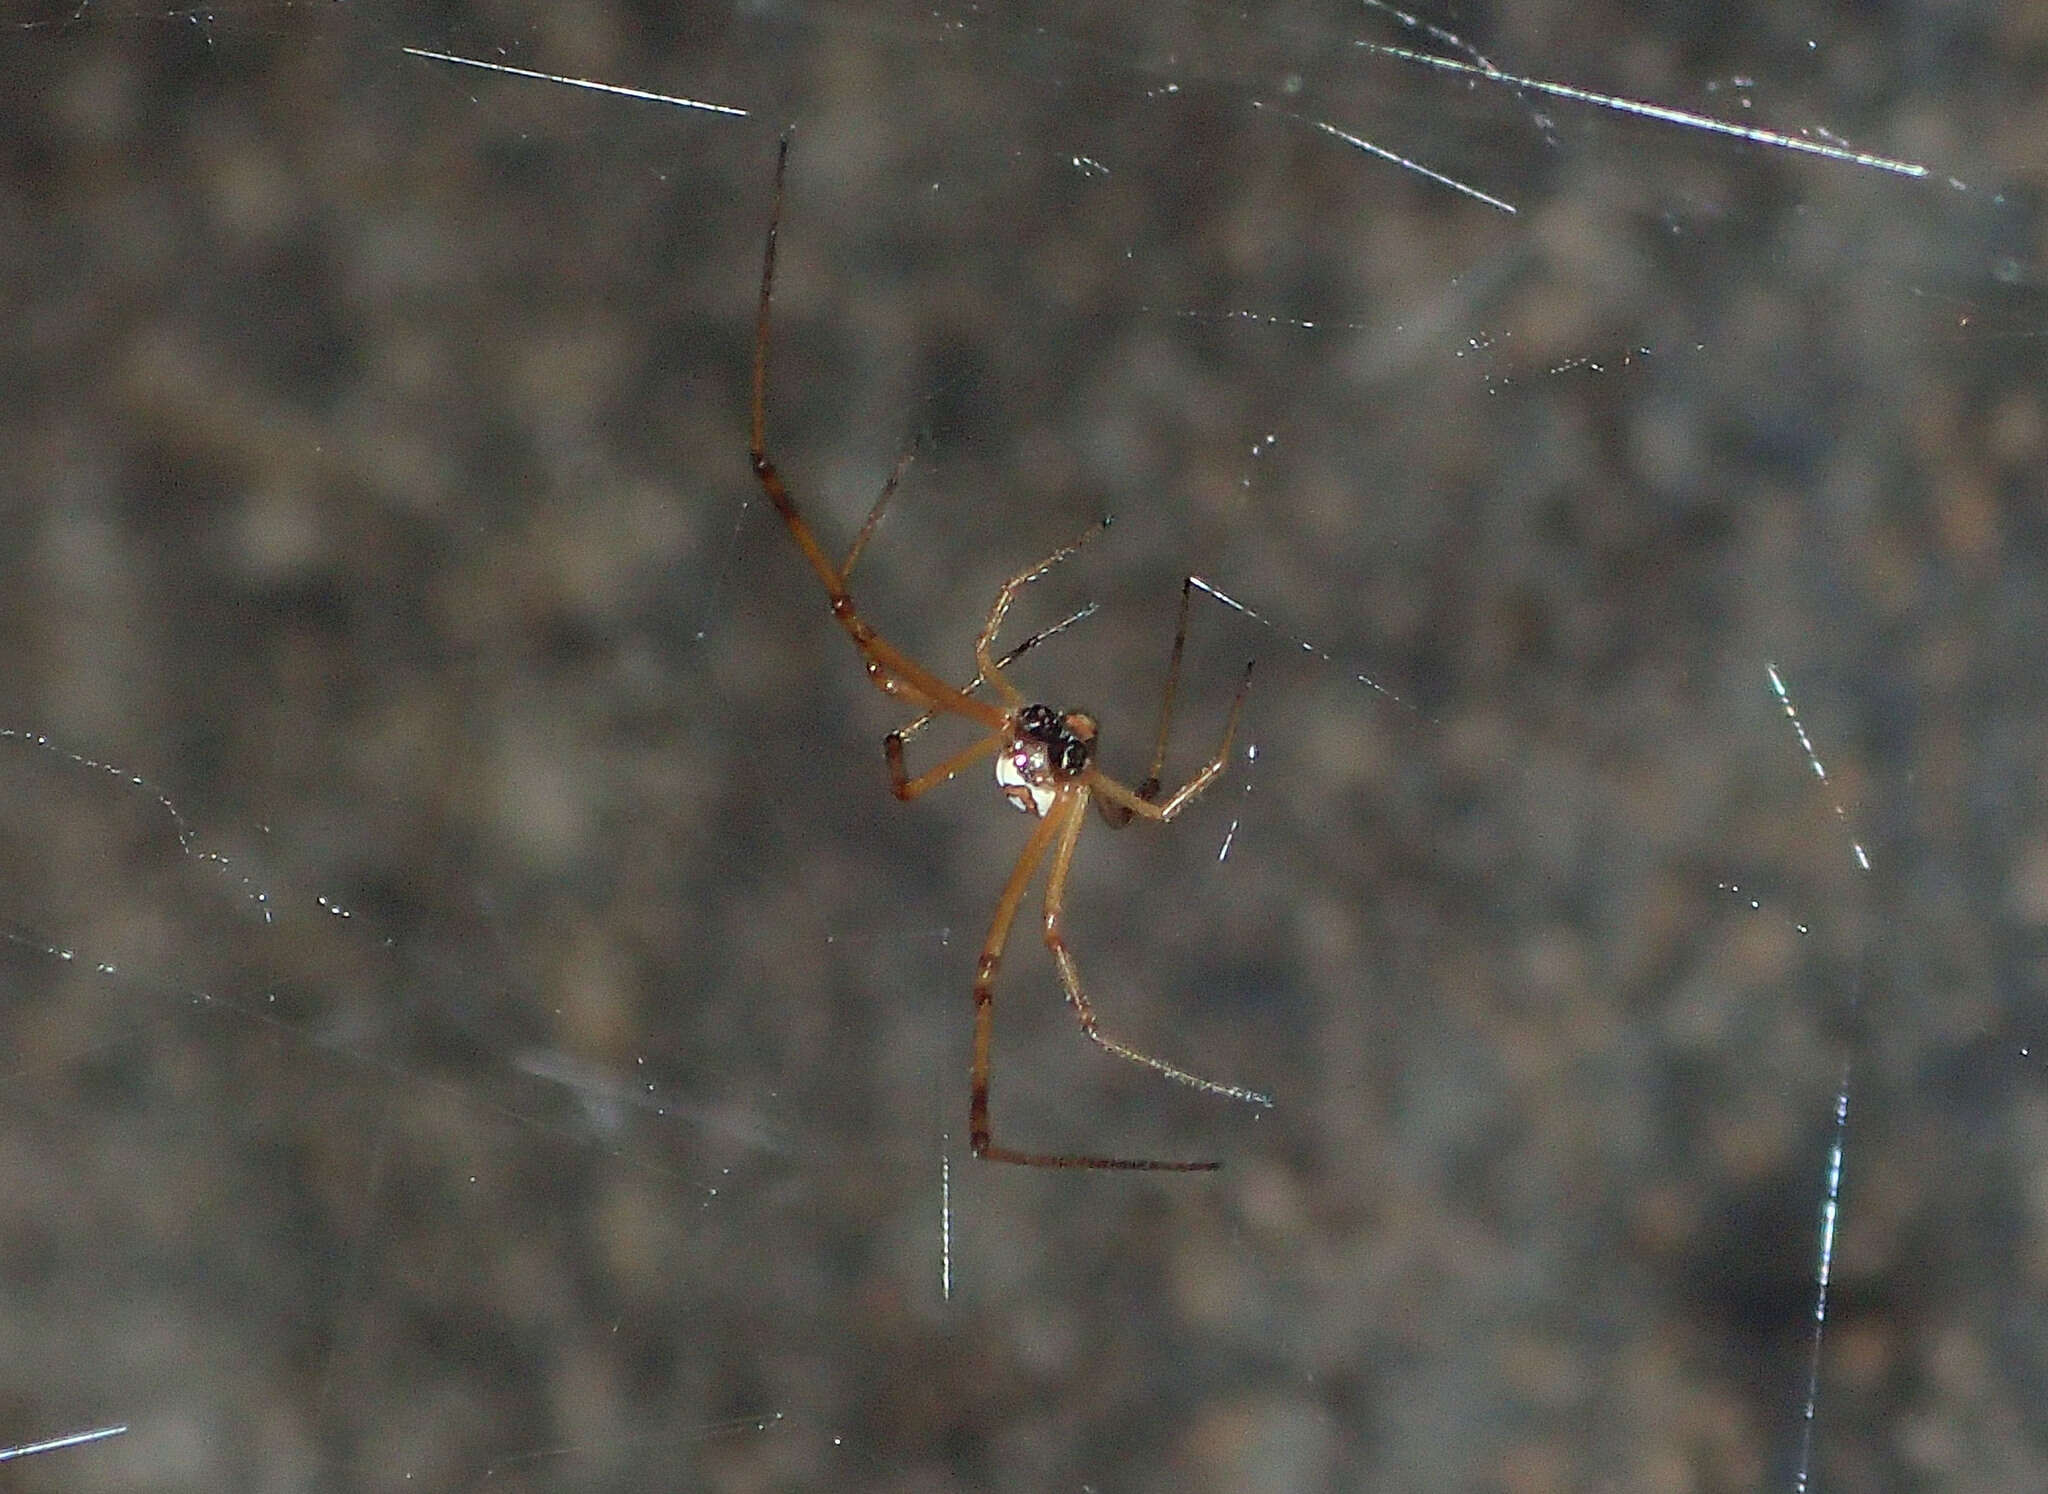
889	669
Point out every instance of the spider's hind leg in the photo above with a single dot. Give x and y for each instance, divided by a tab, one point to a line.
1063	823
1084	1010
1116	816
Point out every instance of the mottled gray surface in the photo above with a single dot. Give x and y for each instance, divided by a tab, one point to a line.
529	1063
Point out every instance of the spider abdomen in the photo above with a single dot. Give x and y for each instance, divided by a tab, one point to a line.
1046	749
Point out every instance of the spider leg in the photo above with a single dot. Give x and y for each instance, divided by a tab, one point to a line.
979	1135
1115	815
902	783
906	787
1140	804
867	528
1070	976
889	669
1016	651
984	646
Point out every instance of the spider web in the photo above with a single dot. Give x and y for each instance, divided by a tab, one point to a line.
477	1018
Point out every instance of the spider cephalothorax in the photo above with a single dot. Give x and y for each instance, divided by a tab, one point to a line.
1048	748
1045	763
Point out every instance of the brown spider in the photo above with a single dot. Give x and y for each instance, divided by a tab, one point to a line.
1045	759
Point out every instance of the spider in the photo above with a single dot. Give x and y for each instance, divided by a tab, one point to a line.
1044	760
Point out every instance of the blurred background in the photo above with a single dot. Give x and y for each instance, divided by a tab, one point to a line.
474	1015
